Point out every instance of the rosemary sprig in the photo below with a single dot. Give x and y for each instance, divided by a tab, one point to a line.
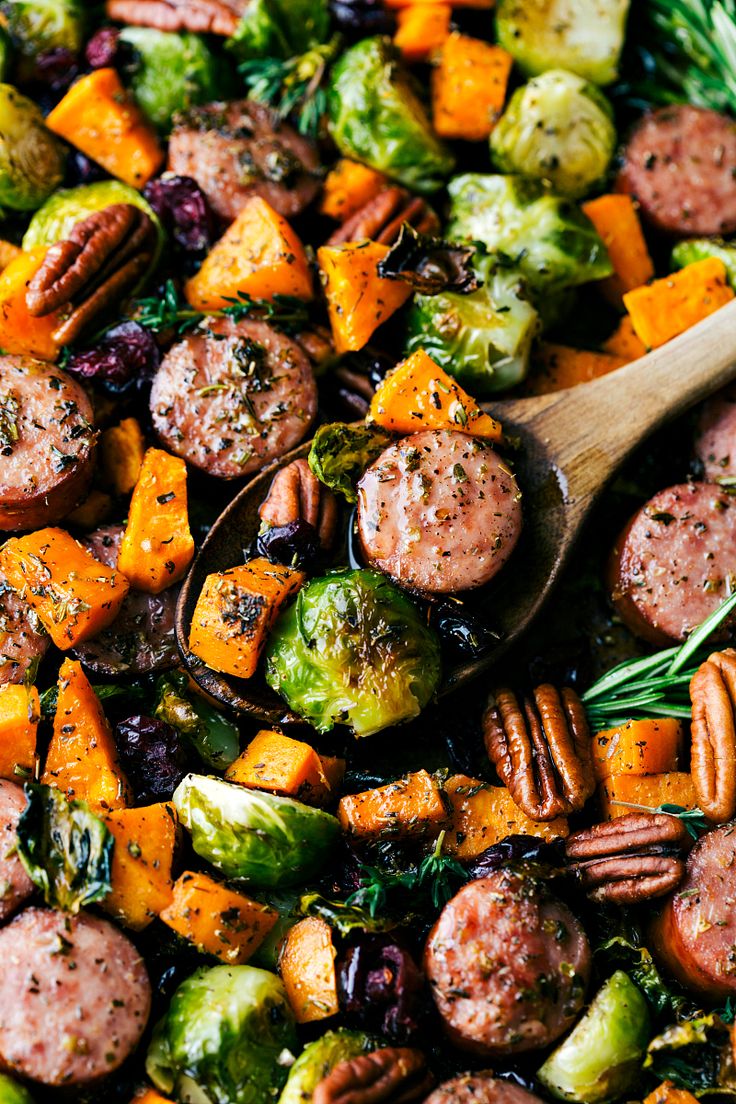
295	85
167	313
656	686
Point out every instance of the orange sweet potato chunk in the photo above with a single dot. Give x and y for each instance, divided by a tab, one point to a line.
142	885
20	711
348	187
483	815
281	765
358	299
670	306
620	791
409	808
20	333
650	746
469	87
307	966
216	919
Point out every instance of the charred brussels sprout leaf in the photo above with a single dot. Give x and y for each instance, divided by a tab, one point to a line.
320	1058
544	34
38	26
377	117
170	72
340	454
213	736
280	28
628	953
13	1093
266	840
66	850
340	915
548	238
601	1058
430	265
699	249
559	128
695	1055
223	1038
31	159
353	649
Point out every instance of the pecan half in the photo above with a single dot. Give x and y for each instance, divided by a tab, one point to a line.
713	754
218	17
296	493
382	217
392	1074
104	256
629	859
540	748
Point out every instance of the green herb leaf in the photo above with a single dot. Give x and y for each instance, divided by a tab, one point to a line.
295	85
167	313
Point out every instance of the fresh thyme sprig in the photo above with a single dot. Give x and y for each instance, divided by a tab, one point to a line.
295	85
438	876
167	313
656	686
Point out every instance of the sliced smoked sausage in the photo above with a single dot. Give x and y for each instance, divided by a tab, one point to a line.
680	164
439	512
233	397
15	885
47	443
715	439
23	641
141	638
480	1088
508	965
675	561
240	149
74	997
695	934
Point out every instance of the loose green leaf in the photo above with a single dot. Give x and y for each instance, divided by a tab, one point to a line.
166	312
436	878
294	86
694	1054
214	737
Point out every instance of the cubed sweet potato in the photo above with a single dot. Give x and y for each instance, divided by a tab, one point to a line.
216	919
281	765
483	815
469	86
122	449
142	885
667	307
358	299
421	31
307	967
650	746
616	219
409	808
556	367
20	332
348	187
20	712
620	792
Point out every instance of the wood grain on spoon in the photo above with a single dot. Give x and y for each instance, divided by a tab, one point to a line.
571	443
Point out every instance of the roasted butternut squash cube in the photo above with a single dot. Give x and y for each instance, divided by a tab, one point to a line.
334	771
409	808
20	711
348	187
483	815
557	367
358	299
616	219
307	967
667	307
667	1093
624	343
142	859
281	765
20	332
122	449
649	746
149	1096
217	920
469	86
235	611
422	30
620	792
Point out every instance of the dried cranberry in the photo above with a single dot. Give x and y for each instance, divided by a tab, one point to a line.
152	756
358	18
127	353
102	49
184	211
513	850
81	170
296	543
381	988
55	69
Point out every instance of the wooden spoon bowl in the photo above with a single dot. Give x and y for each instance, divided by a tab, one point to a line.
570	444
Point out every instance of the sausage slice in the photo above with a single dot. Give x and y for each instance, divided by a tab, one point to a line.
74	997
23	641
508	965
480	1088
242	149
675	561
15	885
715	440
680	164
439	512
233	397
47	443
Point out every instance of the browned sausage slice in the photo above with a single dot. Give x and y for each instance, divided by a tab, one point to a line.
680	164
232	398
23	641
141	638
218	17
47	443
480	1088
508	965
74	997
675	561
15	885
715	440
695	934
439	512
241	149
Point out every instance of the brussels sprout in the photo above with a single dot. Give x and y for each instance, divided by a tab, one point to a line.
13	1093
698	249
31	159
37	26
224	1039
601	1058
353	649
547	237
281	28
5	56
171	72
483	339
340	454
559	128
265	840
585	38
215	738
320	1058
376	117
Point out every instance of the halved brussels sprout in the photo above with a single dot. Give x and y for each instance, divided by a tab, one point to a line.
36	26
353	649
31	158
546	237
320	1058
214	737
601	1058
483	339
698	249
377	117
226	1038
281	28
545	34
340	454
13	1093
171	72
265	840
559	128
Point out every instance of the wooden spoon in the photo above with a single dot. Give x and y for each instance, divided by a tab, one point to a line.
572	442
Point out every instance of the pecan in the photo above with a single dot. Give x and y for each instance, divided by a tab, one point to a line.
713	754
392	1074
296	493
104	256
541	749
218	17
382	217
629	859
